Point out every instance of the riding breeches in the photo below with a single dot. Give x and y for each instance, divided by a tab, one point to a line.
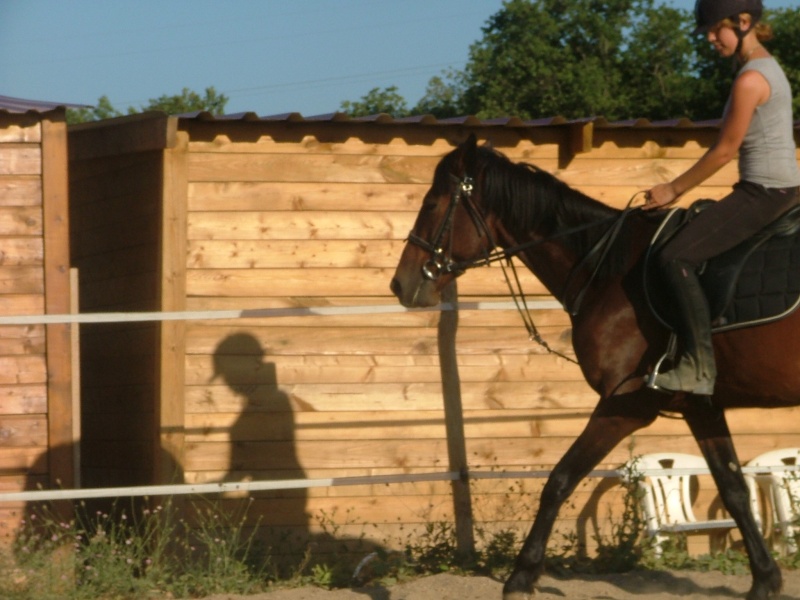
724	224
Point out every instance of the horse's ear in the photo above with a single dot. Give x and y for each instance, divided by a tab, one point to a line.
471	143
470	153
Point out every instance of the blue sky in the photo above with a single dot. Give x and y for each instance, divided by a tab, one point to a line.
267	56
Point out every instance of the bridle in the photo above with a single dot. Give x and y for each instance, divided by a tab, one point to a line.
442	262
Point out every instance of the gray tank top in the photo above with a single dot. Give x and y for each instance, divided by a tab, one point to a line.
768	153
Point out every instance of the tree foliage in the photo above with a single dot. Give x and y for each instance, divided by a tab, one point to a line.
185	102
786	47
188	101
546	58
377	101
103	110
442	96
616	58
620	59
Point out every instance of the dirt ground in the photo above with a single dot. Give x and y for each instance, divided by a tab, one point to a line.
629	586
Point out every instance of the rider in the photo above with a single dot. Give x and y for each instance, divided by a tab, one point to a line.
756	124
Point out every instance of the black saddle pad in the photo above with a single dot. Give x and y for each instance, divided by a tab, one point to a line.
753	283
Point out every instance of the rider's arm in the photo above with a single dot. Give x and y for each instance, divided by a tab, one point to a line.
749	91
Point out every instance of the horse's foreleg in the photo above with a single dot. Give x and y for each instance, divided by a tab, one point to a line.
710	429
600	436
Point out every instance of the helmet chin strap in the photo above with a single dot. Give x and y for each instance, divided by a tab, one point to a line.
739	34
742	34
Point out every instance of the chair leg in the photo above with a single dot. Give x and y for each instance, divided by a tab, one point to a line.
658	549
789	538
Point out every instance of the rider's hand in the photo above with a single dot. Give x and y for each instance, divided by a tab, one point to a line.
659	196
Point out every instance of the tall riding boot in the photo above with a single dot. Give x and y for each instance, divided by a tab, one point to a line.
695	371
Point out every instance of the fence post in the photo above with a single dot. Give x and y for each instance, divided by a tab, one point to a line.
454	422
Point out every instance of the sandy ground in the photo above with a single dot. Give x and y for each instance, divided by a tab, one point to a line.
629	586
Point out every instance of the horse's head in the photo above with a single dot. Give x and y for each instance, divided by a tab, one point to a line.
450	233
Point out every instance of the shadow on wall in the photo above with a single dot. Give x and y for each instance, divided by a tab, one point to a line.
262	440
263	448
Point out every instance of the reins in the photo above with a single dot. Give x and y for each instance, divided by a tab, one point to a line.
524	311
441	262
599	250
508	253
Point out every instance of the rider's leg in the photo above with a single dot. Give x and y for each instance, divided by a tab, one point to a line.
746	210
695	371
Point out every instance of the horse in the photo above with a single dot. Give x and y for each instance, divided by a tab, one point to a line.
482	206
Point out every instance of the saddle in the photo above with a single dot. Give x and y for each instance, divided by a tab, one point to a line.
753	283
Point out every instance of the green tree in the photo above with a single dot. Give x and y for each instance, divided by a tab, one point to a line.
185	102
620	59
656	65
442	97
103	110
579	58
786	48
376	101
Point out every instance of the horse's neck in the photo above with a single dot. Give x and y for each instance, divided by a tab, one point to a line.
552	265
563	271
549	261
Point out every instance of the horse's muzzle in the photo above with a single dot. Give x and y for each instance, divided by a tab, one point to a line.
410	296
397	288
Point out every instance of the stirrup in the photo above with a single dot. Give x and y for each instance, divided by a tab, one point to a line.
691	385
669	356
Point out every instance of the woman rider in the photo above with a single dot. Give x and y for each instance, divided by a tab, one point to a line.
757	125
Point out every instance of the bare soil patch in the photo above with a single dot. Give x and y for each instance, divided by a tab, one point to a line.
637	585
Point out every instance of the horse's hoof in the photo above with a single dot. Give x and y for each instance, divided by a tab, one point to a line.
519	585
766	589
517	596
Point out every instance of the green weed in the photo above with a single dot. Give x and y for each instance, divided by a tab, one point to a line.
149	549
128	552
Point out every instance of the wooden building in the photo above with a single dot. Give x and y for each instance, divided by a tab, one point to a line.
245	213
37	429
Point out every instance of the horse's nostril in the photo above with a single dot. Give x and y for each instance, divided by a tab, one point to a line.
395	287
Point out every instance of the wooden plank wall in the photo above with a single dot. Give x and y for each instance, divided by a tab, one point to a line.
285	215
25	462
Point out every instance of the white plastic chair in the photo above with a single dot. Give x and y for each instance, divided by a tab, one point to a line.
781	487
666	495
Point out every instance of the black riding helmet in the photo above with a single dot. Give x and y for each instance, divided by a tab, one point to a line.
708	13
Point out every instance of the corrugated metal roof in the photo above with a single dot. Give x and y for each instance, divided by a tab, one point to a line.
467	120
20	105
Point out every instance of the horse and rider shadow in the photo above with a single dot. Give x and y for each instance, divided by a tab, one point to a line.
262	447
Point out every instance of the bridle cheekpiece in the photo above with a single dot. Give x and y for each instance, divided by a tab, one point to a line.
441	261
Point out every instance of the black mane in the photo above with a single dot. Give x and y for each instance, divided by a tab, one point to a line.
527	198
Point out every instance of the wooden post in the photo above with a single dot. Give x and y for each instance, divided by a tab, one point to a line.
454	423
75	347
55	219
170	408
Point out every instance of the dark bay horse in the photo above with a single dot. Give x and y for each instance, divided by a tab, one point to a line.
482	205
